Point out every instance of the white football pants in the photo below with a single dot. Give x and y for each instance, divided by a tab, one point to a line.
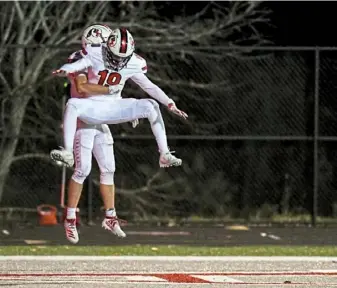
104	110
97	140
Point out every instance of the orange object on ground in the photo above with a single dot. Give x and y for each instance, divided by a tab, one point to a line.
47	214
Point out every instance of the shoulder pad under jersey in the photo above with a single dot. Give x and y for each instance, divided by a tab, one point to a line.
92	50
75	56
139	63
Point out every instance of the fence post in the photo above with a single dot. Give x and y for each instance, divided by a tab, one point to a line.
316	136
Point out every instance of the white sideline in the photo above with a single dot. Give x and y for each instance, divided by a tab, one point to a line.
172	258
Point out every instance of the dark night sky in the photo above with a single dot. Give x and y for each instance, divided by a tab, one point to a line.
297	23
305	23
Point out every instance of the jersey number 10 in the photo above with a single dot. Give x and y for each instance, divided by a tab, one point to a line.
109	78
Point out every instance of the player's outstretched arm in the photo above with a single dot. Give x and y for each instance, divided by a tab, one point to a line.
69	68
88	89
154	91
150	88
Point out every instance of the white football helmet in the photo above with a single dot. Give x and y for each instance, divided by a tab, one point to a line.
120	47
96	34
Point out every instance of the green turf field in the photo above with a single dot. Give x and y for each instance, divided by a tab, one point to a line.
171	250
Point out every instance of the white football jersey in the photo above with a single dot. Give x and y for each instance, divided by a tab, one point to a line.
99	72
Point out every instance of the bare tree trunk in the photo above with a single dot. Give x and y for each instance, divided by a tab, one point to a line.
5	163
59	25
10	144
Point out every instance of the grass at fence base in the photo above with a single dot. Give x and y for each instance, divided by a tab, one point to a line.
170	250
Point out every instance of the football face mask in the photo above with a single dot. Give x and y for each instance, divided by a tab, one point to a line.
119	49
115	62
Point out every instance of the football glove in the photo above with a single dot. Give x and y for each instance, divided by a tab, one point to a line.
173	108
60	73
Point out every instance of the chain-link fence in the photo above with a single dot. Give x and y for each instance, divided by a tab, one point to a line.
259	144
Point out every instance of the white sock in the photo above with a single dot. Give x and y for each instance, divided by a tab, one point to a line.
110	212
71	213
158	130
69	127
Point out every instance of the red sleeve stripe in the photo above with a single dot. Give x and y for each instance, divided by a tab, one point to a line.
144	68
124	40
84	52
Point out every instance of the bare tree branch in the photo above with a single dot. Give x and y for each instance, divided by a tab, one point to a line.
19	10
5	83
25	75
28	69
7	29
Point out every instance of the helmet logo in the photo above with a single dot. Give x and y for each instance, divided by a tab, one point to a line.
112	41
95	32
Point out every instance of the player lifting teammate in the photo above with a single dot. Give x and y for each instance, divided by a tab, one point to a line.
109	66
91	139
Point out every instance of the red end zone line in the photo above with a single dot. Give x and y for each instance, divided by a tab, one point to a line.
178	278
160	275
272	284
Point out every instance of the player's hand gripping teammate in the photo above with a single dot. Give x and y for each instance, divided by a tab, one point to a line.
109	66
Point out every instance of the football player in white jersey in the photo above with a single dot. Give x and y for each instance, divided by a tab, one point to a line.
109	66
91	139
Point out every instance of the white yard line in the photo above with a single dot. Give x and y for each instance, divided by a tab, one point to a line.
172	258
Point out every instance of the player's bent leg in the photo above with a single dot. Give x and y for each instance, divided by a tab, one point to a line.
65	155
74	109
126	110
104	154
83	148
153	114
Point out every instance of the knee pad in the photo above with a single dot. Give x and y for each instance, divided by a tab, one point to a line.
148	103
153	102
152	108
80	174
107	178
